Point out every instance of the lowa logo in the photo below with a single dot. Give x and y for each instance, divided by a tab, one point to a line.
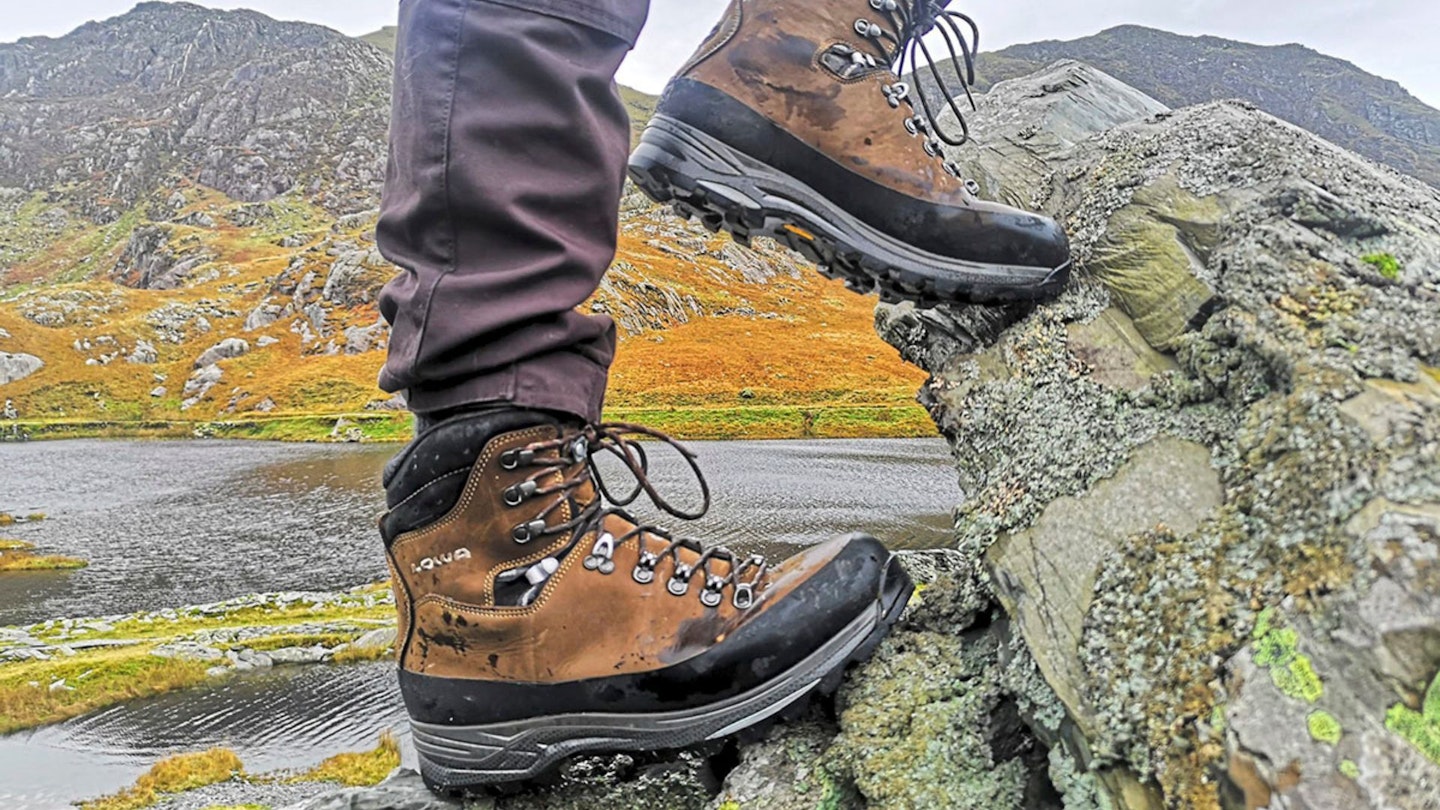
431	563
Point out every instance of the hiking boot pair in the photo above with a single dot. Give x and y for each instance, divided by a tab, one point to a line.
539	619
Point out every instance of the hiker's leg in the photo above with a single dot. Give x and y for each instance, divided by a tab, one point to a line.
507	158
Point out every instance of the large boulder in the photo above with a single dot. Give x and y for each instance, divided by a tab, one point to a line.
1204	485
16	367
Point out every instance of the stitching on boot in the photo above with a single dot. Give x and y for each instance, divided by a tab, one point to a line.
727	29
416	493
470	488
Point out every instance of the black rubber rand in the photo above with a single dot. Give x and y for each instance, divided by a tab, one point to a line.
725	188
508	758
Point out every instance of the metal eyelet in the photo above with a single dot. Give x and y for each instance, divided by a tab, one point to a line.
679	583
865	28
601	555
644	572
526	532
713	594
884	5
970	184
580	451
744	598
934	148
512	459
516	495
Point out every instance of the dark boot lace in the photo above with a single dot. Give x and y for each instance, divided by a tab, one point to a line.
656	545
899	36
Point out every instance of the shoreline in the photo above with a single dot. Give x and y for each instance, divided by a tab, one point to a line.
687	423
59	669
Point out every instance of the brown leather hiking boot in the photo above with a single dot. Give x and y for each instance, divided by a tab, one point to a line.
536	623
791	121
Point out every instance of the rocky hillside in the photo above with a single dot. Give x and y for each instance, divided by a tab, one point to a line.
1330	97
1197	566
187	202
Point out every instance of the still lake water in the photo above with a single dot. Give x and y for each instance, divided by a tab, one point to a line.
168	524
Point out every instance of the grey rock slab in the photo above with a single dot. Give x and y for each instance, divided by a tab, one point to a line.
227	349
16	367
1045	576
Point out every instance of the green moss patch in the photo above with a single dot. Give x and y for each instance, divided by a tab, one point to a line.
1421	729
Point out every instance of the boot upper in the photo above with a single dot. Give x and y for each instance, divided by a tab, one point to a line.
796	87
622	614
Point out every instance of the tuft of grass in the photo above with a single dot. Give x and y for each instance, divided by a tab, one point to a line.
1421	729
1385	264
358	770
357	655
1324	727
176	774
7	519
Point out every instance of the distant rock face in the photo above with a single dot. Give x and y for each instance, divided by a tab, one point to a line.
1204	484
218	97
1333	98
15	367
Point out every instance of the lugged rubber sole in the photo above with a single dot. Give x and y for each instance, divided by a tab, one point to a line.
504	757
726	189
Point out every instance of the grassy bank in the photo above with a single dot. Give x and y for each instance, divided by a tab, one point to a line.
186	772
695	422
17	555
65	668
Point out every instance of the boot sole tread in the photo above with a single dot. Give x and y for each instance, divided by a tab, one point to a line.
724	189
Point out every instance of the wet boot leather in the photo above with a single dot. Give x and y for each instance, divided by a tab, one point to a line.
536	622
790	122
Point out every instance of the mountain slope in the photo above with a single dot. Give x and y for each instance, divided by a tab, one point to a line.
1330	97
187	204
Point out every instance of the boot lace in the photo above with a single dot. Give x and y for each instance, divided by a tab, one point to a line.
657	545
898	34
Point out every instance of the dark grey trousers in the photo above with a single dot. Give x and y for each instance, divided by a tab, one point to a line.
507	157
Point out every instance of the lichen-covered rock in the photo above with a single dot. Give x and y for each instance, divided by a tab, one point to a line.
1203	485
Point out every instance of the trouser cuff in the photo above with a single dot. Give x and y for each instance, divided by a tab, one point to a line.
560	381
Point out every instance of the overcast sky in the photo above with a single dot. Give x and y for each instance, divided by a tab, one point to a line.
1393	38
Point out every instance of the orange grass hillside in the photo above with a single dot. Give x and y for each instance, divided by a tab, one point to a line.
717	341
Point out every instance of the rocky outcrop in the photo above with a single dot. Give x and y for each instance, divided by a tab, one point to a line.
16	367
151	261
227	349
1193	482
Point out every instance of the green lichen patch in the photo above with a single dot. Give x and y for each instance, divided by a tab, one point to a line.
1277	649
1421	729
1349	769
1324	727
1385	264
